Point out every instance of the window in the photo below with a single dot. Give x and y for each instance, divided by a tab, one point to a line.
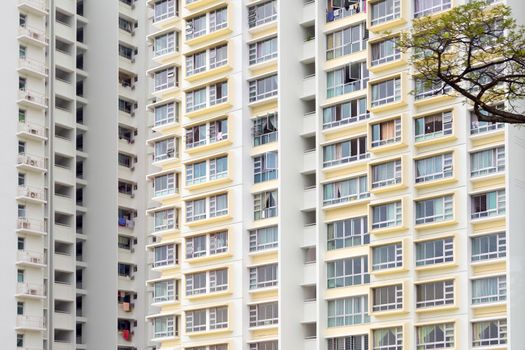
20	276
218	93
166	43
489	333
264	314
211	132
352	77
164	9
345	190
384	51
387	215
207	319
22	52
264	238
347	233
209	347
21	243
166	149
198	62
425	89
351	342
385	10
427	7
489	290
387	256
164	220
387	298
265	167
165	185
264	205
207	244
387	91
262	13
345	152
165	291
434	168
434	210
347	272
195	100
217	206
265	129
348	311
125	270
167	113
125	242
388	339
346	41
164	326
488	204
386	133
196	172
337	9
126	51
435	251
262	88
125	25
166	78
215	20
386	174
19	340
166	255
435	294
487	161
263	50
345	113
22	20
265	345
21	147
19	308
21	179
435	336
207	282
491	246
433	126
21	116
263	276
218	56
479	126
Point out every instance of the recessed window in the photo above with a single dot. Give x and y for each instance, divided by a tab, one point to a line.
435	294
388	339
345	113
347	79
435	336
427	7
347	272
206	282
265	205
166	43
434	168
488	204
388	256
348	311
491	246
206	319
263	88
387	91
346	41
265	129
387	215
264	314
384	51
426	89
166	255
262	51
387	298
433	126
164	220
385	10
165	291
262	13
349	342
487	162
434	210
345	152
265	167
436	251
345	191
206	244
164	9
489	333
263	276
386	132
264	238
347	233
208	133
489	290
386	174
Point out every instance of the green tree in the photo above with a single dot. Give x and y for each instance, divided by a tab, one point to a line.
475	50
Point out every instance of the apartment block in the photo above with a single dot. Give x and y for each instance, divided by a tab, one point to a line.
249	174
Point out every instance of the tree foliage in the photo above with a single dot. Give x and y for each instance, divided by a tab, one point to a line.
475	50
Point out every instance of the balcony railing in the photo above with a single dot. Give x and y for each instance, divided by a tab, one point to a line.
338	13
33	33
32	65
33	193
31	129
30	322
30	160
26	256
31	224
40	5
31	289
32	97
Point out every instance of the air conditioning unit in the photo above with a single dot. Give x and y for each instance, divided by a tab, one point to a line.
33	131
35	260
31	162
33	194
32	291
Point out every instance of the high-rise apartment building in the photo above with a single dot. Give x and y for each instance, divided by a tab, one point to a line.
248	174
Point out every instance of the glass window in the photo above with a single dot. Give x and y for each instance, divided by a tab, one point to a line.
165	44
479	126
262	88
384	51
263	50
386	174
195	100
434	168
345	190
265	167
388	339
488	161
165	185
435	251
427	7
387	215
264	314
165	291
263	276
264	238
351	342
491	246
434	210
345	113
347	233
218	93
347	272
387	256
387	298
489	333
385	10
262	13
265	129
264	205
167	113
348	311
435	336
337	9
489	289
352	77
165	255
433	126
387	91
425	89
166	149
435	294
346	41
488	204
265	345
345	152
164	9
386	133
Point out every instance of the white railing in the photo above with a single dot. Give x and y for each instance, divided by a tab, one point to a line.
34	161
30	289
33	65
30	322
33	33
30	257
38	4
31	192
32	96
31	224
32	129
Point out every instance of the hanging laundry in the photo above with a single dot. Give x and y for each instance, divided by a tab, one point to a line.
126	335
